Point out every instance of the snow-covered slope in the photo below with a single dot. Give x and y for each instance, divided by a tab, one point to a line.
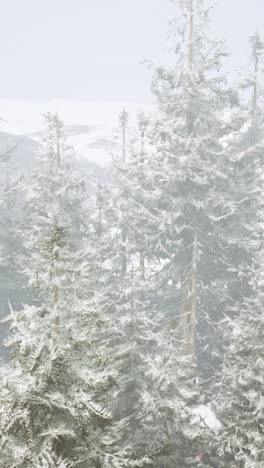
90	126
91	143
20	153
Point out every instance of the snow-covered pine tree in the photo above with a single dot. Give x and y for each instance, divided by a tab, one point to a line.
56	194
55	402
186	178
188	171
156	414
121	291
239	395
132	191
243	187
12	282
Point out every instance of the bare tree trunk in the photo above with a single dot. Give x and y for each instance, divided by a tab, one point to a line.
142	265
58	141
188	304
53	275
142	129
124	252
7	176
124	122
191	31
99	206
255	89
55	294
193	315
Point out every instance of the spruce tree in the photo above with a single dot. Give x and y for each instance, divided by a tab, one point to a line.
156	390
124	294
184	203
189	172
239	397
12	281
55	402
239	393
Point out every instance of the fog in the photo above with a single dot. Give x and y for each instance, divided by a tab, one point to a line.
131	235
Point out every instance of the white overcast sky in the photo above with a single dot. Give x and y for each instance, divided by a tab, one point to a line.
91	49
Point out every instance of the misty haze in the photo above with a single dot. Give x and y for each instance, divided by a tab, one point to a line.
131	235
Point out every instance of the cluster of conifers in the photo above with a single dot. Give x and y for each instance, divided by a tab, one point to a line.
145	294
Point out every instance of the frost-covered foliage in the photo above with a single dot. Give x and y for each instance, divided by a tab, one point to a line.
122	357
11	204
154	395
182	202
54	222
121	293
169	210
55	404
12	280
59	394
245	185
240	394
188	170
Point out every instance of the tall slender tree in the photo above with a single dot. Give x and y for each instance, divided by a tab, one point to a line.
11	207
239	394
55	404
188	167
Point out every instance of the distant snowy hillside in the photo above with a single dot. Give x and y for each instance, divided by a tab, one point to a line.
90	126
91	143
20	154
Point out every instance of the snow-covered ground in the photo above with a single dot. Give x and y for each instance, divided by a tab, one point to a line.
205	416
